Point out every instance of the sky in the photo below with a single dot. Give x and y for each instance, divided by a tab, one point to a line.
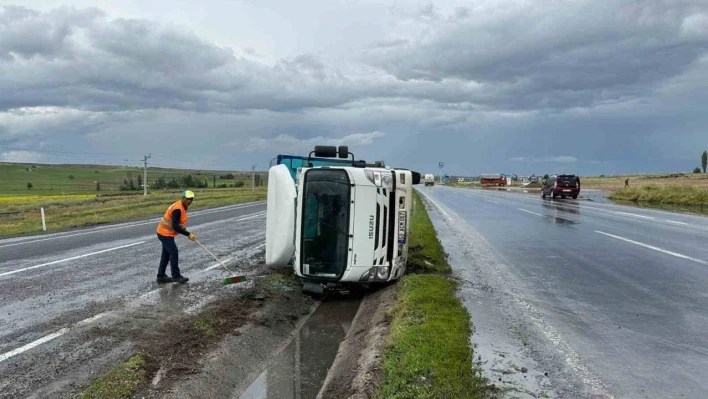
490	86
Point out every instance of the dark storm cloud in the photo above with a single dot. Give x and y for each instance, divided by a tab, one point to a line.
557	54
491	86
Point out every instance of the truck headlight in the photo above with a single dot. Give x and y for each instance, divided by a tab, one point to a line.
375	177
382	273
386	181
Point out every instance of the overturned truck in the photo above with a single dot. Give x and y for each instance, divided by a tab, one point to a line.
339	226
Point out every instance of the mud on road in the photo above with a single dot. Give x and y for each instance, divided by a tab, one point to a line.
181	331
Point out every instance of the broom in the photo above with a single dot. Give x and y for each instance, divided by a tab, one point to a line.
227	280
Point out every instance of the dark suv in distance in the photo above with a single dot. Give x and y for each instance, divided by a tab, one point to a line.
561	186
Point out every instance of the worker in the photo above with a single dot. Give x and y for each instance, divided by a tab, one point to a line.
171	225
626	183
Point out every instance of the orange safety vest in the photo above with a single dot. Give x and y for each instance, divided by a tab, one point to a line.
164	228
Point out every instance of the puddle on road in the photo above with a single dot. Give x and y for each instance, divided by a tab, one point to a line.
300	369
595	195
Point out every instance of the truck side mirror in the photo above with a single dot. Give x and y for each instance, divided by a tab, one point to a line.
325	151
416	177
343	151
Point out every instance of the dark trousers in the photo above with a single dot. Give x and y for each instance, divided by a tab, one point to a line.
170	254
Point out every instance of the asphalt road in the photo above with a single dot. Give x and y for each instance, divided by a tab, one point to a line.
53	281
610	301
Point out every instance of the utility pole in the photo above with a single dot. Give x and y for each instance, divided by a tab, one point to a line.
145	174
253	178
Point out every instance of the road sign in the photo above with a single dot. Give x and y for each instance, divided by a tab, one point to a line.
441	164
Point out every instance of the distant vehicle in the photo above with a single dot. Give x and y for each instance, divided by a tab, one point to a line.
506	180
561	186
496	180
429	179
460	179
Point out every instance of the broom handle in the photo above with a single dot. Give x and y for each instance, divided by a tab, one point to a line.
212	255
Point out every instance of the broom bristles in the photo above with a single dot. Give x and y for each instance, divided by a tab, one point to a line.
234	279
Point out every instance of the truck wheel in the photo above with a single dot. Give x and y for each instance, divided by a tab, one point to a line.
543	195
575	197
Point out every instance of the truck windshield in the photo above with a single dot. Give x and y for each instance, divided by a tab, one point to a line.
325	222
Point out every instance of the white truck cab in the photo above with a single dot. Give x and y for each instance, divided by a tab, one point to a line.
429	179
339	225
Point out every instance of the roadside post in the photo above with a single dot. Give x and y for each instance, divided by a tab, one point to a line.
44	223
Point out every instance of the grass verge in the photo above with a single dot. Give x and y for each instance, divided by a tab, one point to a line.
428	354
664	195
425	253
120	382
79	211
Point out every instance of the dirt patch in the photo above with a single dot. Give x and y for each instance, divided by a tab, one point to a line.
355	373
202	353
178	348
227	368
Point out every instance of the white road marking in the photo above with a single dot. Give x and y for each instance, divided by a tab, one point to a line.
212	267
149	294
69	259
257	215
493	202
675	222
678	255
435	203
633	214
205	212
533	213
49	337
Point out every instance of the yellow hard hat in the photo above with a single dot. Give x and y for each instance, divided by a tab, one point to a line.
187	194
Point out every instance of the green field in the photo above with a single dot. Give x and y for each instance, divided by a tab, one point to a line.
76	202
612	183
21	214
84	179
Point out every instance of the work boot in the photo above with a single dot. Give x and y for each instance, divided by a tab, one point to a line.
164	279
180	279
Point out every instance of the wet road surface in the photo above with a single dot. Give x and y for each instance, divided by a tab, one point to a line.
608	301
51	282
